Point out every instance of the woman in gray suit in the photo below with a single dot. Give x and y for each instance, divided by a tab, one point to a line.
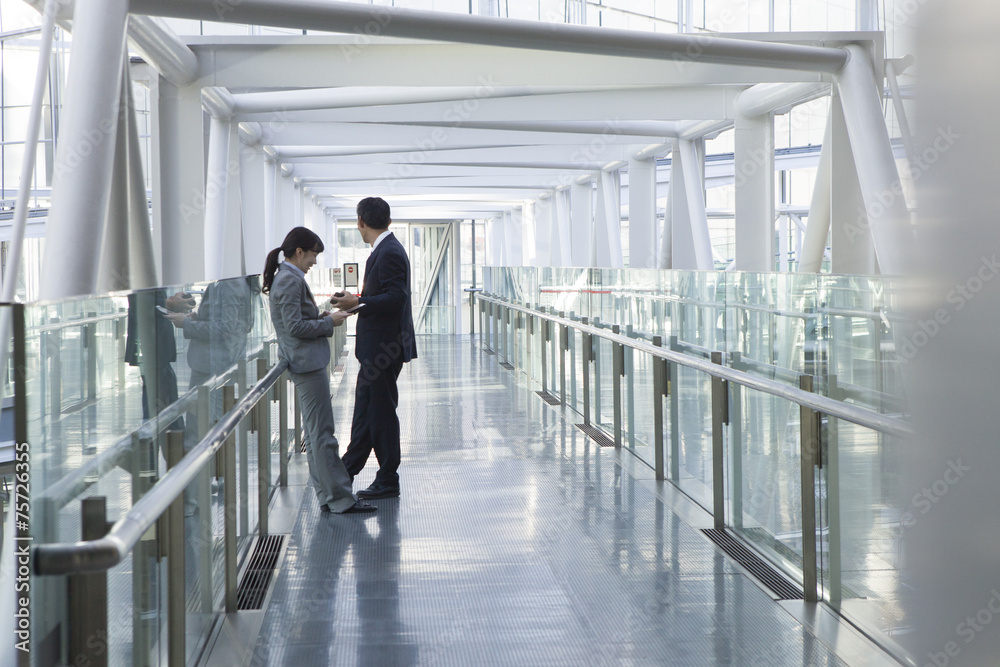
302	332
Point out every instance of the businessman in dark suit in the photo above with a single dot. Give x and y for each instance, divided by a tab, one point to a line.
385	341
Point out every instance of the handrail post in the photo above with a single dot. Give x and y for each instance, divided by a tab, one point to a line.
810	444
545	356
88	593
735	410
176	606
659	392
229	503
244	462
529	332
90	341
297	421
283	404
563	347
628	371
719	419
585	354
617	370
264	455
143	467
673	382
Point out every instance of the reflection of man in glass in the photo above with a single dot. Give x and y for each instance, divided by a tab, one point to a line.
217	333
154	349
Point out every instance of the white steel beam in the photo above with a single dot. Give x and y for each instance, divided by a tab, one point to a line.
887	216
85	152
429	25
634	104
691	247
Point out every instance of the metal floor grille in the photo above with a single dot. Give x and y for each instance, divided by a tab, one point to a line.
770	577
259	572
548	398
509	366
597	435
339	368
488	351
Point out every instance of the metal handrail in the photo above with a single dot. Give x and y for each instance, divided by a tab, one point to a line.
816	402
76	482
107	552
79	321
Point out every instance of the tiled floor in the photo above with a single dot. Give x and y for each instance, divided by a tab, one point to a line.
516	541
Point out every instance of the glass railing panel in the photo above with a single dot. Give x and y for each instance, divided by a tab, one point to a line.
694	425
604	405
864	525
140	352
638	389
765	464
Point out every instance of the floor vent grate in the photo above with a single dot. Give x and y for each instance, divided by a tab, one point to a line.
548	398
339	368
758	567
488	351
509	366
597	435
259	572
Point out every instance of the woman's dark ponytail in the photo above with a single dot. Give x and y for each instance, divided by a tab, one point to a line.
270	268
298	237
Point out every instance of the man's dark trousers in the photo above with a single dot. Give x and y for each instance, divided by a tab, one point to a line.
375	425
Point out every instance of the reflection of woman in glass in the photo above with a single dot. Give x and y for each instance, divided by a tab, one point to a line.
302	332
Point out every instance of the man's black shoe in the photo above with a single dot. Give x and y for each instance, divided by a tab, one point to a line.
379	491
359	508
324	508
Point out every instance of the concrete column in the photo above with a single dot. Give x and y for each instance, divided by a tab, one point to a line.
582	223
754	172
85	152
642	223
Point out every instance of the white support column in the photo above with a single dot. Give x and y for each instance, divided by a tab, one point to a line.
851	248
495	239
888	218
113	267
253	204
528	236
456	274
581	223
642	223
818	225
332	239
665	258
563	253
542	210
270	204
514	230
754	172
216	198
691	247
298	201
607	223
85	153
179	182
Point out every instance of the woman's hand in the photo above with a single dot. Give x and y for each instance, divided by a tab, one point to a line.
338	317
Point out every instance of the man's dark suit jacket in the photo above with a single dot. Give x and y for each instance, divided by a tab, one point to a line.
385	323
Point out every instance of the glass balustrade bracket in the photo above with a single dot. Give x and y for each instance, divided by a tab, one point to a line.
176	588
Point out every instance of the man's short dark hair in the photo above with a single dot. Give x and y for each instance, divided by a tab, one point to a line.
374	212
